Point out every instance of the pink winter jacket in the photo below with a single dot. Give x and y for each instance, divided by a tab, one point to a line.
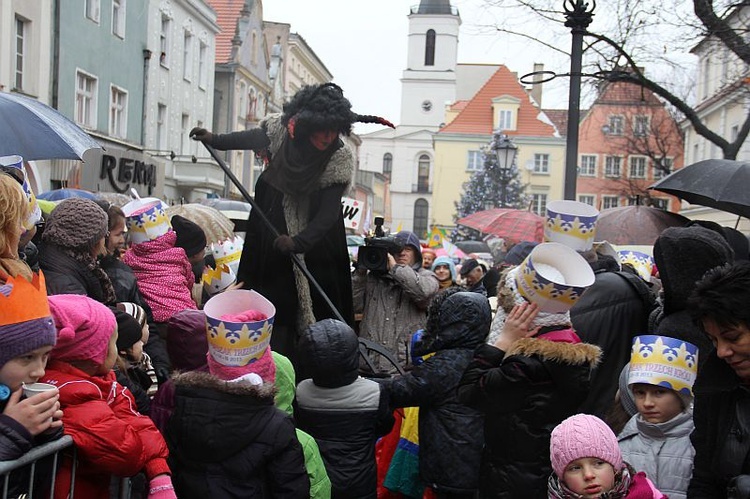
164	275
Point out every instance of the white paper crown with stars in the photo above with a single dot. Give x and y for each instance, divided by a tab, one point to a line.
228	252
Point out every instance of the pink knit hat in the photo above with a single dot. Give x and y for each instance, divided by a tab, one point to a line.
582	436
84	327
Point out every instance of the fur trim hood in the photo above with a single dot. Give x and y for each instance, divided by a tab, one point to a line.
200	379
568	353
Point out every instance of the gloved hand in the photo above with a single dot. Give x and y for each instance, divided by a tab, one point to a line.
201	134
284	244
161	488
162	374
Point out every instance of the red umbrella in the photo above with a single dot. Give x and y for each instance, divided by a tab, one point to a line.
508	223
630	225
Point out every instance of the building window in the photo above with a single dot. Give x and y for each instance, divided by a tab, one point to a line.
615	126
187	56
610	202
637	167
612	166
664	168
734	132
661	203
429	48
166	25
86	89
202	65
541	163
91	9
706	76
475	161
696	152
505	119
421	210
423	174
20	59
586	198
185	138
640	126
118	18
539	204
588	166
118	112
387	163
161	127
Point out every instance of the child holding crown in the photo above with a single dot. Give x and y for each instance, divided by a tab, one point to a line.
27	334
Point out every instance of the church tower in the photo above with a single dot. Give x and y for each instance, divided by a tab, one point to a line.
429	80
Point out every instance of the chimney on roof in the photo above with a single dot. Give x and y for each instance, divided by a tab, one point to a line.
536	87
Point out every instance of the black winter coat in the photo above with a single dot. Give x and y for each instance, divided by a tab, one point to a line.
66	276
343	412
610	314
524	394
722	432
228	440
450	433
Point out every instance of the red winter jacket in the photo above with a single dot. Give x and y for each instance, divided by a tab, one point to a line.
111	437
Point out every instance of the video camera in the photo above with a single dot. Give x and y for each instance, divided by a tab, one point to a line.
374	254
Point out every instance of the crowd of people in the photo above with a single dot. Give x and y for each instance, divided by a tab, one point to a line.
560	370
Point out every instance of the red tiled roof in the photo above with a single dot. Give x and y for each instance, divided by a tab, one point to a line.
560	118
459	105
227	13
476	117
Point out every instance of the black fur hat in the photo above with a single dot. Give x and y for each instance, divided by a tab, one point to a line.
322	107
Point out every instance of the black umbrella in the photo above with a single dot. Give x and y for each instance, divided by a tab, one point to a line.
716	183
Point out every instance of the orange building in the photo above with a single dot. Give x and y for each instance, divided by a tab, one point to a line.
627	141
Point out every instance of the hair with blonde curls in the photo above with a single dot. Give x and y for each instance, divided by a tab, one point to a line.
14	209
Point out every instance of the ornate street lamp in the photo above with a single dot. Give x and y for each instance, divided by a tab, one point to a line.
505	153
578	14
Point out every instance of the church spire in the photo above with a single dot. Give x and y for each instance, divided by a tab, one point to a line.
436	7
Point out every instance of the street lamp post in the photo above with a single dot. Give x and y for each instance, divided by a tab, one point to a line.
578	14
505	153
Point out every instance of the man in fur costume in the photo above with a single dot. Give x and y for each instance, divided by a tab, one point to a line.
308	169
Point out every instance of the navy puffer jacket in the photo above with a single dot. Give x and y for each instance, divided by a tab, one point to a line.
450	433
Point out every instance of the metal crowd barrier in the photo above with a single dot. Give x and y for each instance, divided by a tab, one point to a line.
123	486
30	460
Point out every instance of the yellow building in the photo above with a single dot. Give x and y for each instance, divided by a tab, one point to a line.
502	103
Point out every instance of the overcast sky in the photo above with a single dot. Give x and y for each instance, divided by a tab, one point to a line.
363	44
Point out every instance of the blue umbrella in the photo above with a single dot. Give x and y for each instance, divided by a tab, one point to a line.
60	194
36	131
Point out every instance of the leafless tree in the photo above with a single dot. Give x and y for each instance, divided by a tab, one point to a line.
629	35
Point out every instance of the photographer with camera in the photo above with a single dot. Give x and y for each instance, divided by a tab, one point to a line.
392	290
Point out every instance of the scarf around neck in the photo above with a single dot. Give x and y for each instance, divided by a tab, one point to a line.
297	166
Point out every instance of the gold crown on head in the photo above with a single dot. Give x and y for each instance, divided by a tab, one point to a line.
664	361
27	300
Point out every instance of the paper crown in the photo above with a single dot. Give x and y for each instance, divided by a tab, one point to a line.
216	280
664	361
554	277
641	262
238	343
228	252
571	223
27	300
35	212
146	219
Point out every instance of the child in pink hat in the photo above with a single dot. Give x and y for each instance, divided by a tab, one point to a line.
111	437
587	464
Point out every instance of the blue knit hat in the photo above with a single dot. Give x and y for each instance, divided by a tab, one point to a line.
445	260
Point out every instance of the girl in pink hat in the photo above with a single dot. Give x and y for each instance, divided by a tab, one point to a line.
587	464
110	436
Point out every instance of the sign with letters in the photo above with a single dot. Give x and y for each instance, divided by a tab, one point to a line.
118	170
352	211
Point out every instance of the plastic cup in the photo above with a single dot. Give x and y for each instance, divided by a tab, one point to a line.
33	388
